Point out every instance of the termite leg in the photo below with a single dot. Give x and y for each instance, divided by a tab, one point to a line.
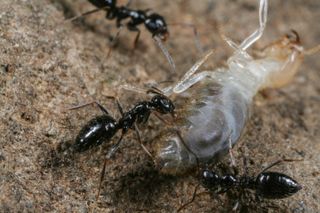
233	161
263	11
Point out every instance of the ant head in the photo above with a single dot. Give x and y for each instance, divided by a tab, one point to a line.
209	178
162	104
157	26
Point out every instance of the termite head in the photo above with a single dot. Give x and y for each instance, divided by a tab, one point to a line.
287	51
285	47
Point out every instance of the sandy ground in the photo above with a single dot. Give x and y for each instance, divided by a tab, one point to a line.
48	65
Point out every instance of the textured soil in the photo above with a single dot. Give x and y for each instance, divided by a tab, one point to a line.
48	65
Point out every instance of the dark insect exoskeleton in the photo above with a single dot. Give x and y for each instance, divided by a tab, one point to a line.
271	185
154	22
95	132
104	127
267	185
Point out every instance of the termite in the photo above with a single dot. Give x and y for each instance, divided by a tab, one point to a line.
217	106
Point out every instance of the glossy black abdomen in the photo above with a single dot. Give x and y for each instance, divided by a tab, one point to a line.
95	132
274	185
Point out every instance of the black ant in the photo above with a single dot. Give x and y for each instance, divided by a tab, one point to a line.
103	128
154	22
267	185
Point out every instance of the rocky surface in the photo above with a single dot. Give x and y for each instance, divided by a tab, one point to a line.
48	65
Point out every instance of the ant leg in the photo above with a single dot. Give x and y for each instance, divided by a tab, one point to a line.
165	53
141	144
114	148
278	162
161	119
114	40
91	103
132	26
102	177
192	199
120	108
135	44
263	11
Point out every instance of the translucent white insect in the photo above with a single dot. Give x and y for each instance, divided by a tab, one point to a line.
217	107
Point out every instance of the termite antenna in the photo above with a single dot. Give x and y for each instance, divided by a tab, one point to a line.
312	51
165	52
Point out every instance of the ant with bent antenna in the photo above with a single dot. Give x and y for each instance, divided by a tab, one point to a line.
103	128
153	22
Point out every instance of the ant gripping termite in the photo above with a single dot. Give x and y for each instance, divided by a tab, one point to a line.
103	128
153	22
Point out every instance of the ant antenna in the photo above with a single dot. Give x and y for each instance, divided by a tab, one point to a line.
165	52
86	13
155	90
278	162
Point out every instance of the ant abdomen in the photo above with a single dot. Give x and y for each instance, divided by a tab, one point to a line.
274	185
95	132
